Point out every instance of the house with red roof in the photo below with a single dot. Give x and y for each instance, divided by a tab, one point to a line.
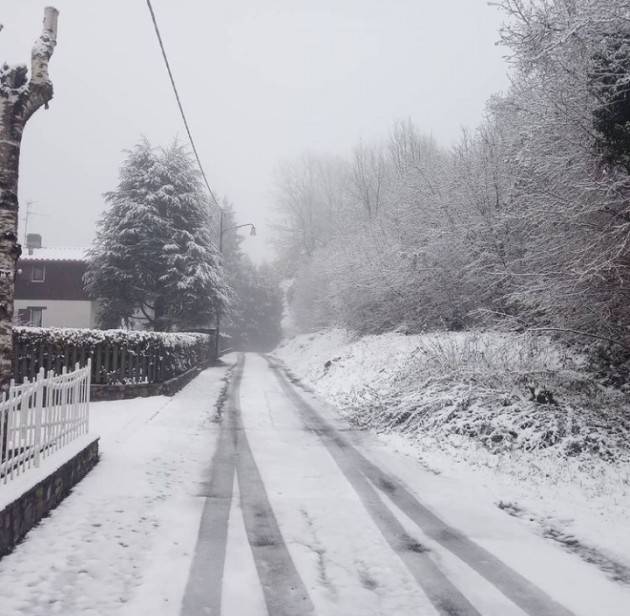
49	290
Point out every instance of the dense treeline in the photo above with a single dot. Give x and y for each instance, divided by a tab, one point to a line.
527	220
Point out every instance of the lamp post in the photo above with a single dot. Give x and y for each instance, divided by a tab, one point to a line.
247	224
252	233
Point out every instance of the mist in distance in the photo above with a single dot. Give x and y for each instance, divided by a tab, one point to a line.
260	85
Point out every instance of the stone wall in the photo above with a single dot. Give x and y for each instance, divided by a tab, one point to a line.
142	390
22	514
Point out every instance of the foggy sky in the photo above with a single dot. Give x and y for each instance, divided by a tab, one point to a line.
261	81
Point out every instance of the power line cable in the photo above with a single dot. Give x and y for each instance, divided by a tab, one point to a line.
194	149
181	107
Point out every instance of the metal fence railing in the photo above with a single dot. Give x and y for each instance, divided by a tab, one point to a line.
40	416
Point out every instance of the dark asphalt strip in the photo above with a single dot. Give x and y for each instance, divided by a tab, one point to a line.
205	580
283	589
357	469
445	597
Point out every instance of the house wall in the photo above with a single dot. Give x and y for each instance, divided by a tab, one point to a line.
63	280
61	312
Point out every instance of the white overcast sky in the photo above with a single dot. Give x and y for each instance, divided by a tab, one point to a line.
262	81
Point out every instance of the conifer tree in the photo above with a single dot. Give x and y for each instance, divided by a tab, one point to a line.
154	258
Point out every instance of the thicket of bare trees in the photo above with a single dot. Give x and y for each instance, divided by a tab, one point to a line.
527	220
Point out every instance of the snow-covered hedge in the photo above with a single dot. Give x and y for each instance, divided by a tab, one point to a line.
118	356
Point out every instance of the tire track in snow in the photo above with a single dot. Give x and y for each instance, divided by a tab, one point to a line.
205	580
442	593
612	568
283	589
360	472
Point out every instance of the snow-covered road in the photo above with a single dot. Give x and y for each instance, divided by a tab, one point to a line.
281	509
304	515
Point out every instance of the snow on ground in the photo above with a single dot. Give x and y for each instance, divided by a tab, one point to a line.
343	559
22	483
462	404
104	549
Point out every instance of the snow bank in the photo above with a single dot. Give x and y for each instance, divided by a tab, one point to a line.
515	412
505	391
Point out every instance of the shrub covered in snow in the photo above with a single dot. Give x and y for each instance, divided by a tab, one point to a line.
504	391
149	356
473	406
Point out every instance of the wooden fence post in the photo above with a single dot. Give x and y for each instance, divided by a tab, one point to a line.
39	406
106	363
115	351
98	351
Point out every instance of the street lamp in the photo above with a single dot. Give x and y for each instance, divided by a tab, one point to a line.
252	233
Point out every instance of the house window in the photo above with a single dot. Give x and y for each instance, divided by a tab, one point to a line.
35	316
38	273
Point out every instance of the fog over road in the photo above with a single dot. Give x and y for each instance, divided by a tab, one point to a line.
305	515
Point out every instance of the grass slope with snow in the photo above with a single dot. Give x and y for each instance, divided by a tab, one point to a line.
516	413
504	391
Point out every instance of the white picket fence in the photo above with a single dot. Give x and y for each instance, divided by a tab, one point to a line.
40	416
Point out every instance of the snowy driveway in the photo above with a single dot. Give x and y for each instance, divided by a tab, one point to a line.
305	516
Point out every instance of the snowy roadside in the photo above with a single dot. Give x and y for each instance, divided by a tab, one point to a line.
122	542
562	469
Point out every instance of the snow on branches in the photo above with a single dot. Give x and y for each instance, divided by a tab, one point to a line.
528	217
154	258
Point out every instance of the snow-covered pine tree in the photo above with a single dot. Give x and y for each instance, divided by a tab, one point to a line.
154	257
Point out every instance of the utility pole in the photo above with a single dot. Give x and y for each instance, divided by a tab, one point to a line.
20	98
252	232
218	330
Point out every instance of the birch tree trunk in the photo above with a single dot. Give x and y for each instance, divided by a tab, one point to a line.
19	99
